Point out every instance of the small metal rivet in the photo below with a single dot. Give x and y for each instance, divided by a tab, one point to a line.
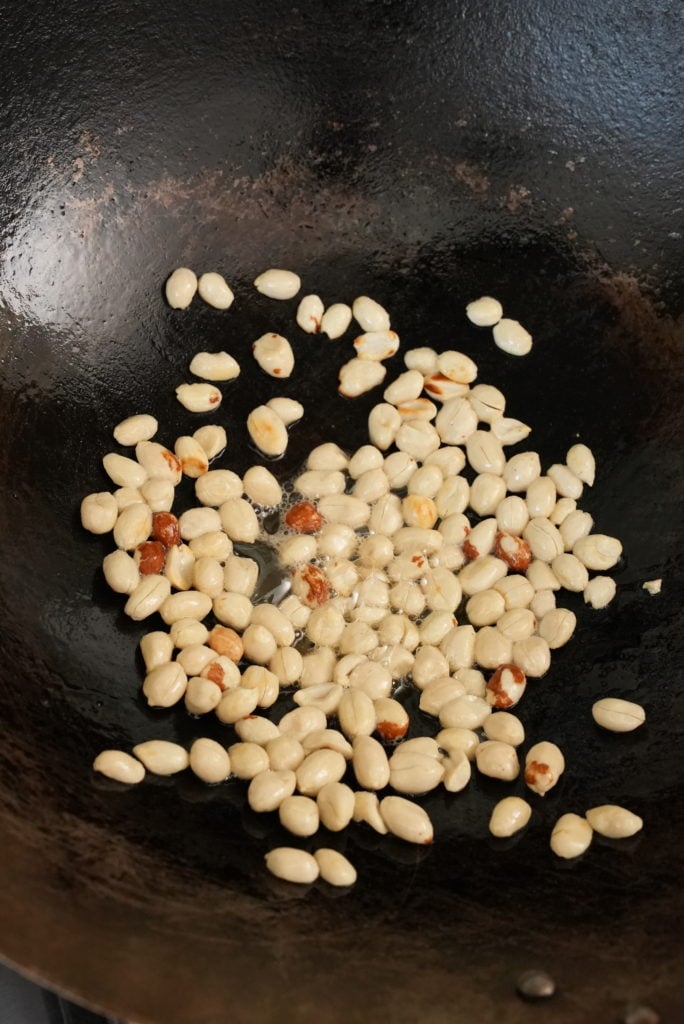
537	985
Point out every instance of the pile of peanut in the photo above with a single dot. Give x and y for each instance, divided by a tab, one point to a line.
428	556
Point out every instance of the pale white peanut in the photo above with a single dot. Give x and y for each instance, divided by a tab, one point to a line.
456	366
600	591
118	765
158	493
492	647
512	515
140	427
300	722
180	566
248	759
196	521
317	483
214	366
598	551
511	337
464	712
562	509
367	809
488	402
422	359
274	355
267	431
457	740
239	520
165	685
532	655
369	760
198	397
457	772
299	815
406	820
618	715
571	836
121	572
215	291
235	704
278	284
192	456
201	696
481	574
99	512
257	729
133	526
310	313
509	816
541	576
418	438
195	658
334	867
162	757
487	492
264	682
180	288
208	576
570	572
508	430
405	388
285	753
485	311
575	525
213	439
383	423
274	620
557	627
369	314
376	345
209	761
292	865
567	484
268	789
517	623
344	508
613	821
521	470
543	538
148	597
580	460
190	604
541	497
412	771
498	760
458	647
156	649
360	375
289	409
399	467
318	769
456	421
336	320
544	765
504	727
336	805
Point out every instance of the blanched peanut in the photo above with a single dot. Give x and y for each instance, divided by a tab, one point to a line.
262	487
235	704
116	764
267	431
317	483
435	626
257	729
213	439
487	492
449	459
482	538
464	712
485	453
156	649
457	772
485	311
300	722
161	757
511	337
99	512
276	622
457	366
292	865
336	320
344	508
334	868
567	484
274	355
498	760
371	485
192	455
383	423
125	496
540	497
259	644
543	538
367	809
248	759
190	604
318	666
575	525
360	375
570	572
512	515
618	715
199	397
327	457
458	647
457	740
356	714
147	597
299	815
532	655
544	765
419	511
285	753
120	572
223	672
481	574
208	576
180	288
541	576
239	520
196	521
179	567
265	683
439	387
240	575
508	430
399	467
517	624
472	681
600	591
571	836
454	528
509	816
318	769
597	551
288	409
369	314
165	685
370	763
310	313
562	509
335	805
376	345
137	428
214	366
614	822
557	626
406	820
158	493
209	761
581	462
456	421
542	602
278	284
521	470
405	388
201	696
195	658
504	727
268	789
133	526
438	692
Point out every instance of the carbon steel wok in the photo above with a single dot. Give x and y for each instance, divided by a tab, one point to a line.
424	153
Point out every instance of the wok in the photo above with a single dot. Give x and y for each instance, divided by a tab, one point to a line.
424	153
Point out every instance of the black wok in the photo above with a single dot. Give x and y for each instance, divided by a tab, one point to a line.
424	153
